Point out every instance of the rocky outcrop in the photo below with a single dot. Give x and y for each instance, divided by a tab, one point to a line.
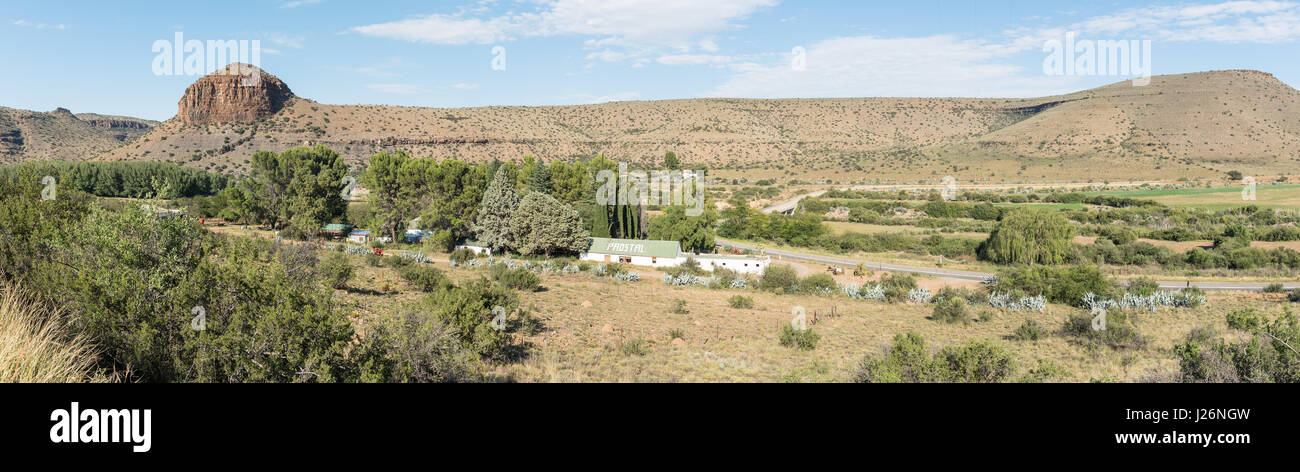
121	130
240	92
11	138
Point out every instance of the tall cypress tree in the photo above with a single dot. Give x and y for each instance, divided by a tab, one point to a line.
600	221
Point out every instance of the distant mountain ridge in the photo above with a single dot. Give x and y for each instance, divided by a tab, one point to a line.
62	135
1185	125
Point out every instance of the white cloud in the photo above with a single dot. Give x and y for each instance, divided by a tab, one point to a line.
953	66
299	3
620	29
1251	21
587	99
693	59
442	29
37	25
282	39
893	67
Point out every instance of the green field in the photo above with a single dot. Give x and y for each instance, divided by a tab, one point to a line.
1220	198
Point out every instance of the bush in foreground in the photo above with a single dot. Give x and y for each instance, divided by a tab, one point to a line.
951	310
804	339
1266	355
779	278
909	361
427	279
517	279
740	301
1030	330
335	270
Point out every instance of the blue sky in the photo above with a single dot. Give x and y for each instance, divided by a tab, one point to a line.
97	56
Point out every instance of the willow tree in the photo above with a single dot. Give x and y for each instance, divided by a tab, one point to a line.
1029	236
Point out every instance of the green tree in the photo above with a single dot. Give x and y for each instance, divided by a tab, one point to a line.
453	191
1030	236
571	183
540	178
302	186
496	211
388	203
671	162
694	233
543	225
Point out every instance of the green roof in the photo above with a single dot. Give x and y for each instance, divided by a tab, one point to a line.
633	247
337	227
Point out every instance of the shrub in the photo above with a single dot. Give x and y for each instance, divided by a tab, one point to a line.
676	333
1273	288
427	279
979	361
1030	330
804	339
818	284
740	301
633	347
951	310
679	306
1066	285
1118	332
986	315
1268	355
1118	234
374	260
613	269
468	312
416	347
1144	286
443	241
335	270
461	256
399	261
1045	370
908	361
691	266
897	286
518	279
283	327
779	277
1293	296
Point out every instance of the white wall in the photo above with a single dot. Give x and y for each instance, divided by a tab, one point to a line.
748	265
476	249
636	260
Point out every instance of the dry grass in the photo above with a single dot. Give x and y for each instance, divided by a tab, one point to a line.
601	330
35	344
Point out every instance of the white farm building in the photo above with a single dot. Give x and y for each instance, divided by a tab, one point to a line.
666	254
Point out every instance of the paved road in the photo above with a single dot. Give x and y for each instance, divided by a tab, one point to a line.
791	203
974	276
